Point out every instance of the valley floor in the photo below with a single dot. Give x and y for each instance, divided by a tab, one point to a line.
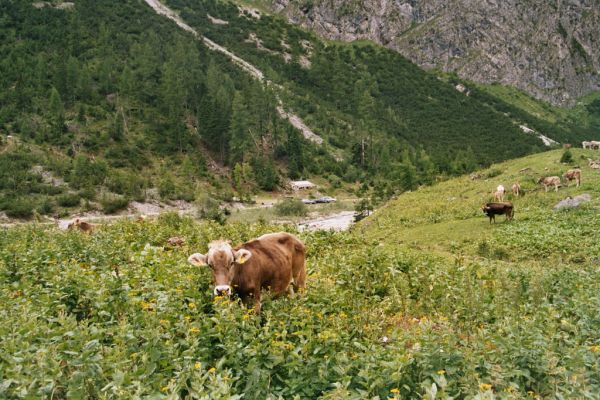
424	299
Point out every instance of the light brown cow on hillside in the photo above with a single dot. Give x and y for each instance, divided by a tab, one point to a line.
573	175
516	189
549	181
272	261
81	225
499	193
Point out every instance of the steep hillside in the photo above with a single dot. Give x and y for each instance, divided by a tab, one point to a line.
549	49
448	218
106	102
111	102
433	303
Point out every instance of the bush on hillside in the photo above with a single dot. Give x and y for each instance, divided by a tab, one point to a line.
209	208
291	207
68	200
17	207
113	203
567	157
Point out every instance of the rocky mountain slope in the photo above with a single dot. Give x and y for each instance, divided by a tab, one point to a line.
547	48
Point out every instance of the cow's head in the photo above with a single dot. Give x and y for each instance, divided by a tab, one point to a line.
223	260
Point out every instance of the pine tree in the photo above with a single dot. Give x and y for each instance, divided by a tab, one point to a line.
239	142
56	115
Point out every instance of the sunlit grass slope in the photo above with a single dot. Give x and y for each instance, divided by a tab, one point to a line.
423	300
447	217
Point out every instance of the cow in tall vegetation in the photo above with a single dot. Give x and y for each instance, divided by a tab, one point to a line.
274	261
81	225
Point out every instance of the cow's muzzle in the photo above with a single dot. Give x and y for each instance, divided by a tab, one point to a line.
223	290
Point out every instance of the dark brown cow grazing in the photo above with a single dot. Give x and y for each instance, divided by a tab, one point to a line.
81	225
573	175
493	209
272	261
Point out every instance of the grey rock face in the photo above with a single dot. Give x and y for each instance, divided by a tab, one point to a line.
549	48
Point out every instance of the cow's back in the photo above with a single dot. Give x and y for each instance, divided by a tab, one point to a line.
277	260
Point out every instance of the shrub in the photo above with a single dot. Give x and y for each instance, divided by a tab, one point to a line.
18	207
567	157
68	200
46	207
113	203
209	208
291	207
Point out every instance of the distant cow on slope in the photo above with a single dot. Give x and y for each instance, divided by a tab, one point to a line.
573	175
273	261
499	193
550	181
516	189
493	209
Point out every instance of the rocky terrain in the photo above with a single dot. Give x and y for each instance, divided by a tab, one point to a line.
550	49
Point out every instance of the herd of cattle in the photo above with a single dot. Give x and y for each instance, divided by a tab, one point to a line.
499	207
594	144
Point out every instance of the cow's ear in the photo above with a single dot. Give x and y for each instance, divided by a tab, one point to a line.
197	259
242	255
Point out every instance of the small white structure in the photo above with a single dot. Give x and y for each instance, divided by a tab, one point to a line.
300	185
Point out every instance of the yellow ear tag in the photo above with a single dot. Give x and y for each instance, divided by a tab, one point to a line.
242	259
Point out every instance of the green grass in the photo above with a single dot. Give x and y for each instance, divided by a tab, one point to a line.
448	213
423	296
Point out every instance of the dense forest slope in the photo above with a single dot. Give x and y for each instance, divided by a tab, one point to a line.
426	299
548	48
105	102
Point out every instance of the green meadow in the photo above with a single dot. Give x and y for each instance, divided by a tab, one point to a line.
424	299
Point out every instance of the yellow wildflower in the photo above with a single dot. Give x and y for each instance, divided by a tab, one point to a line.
212	370
441	372
164	389
194	330
192	306
163	322
595	348
198	365
395	390
187	318
485	386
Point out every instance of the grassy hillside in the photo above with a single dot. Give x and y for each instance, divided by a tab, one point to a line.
448	217
424	299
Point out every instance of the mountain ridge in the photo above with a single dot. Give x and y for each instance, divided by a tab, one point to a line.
547	49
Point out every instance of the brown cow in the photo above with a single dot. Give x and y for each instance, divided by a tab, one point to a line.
516	189
493	209
272	261
81	225
549	181
573	174
176	241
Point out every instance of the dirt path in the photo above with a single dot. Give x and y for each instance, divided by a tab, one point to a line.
295	120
